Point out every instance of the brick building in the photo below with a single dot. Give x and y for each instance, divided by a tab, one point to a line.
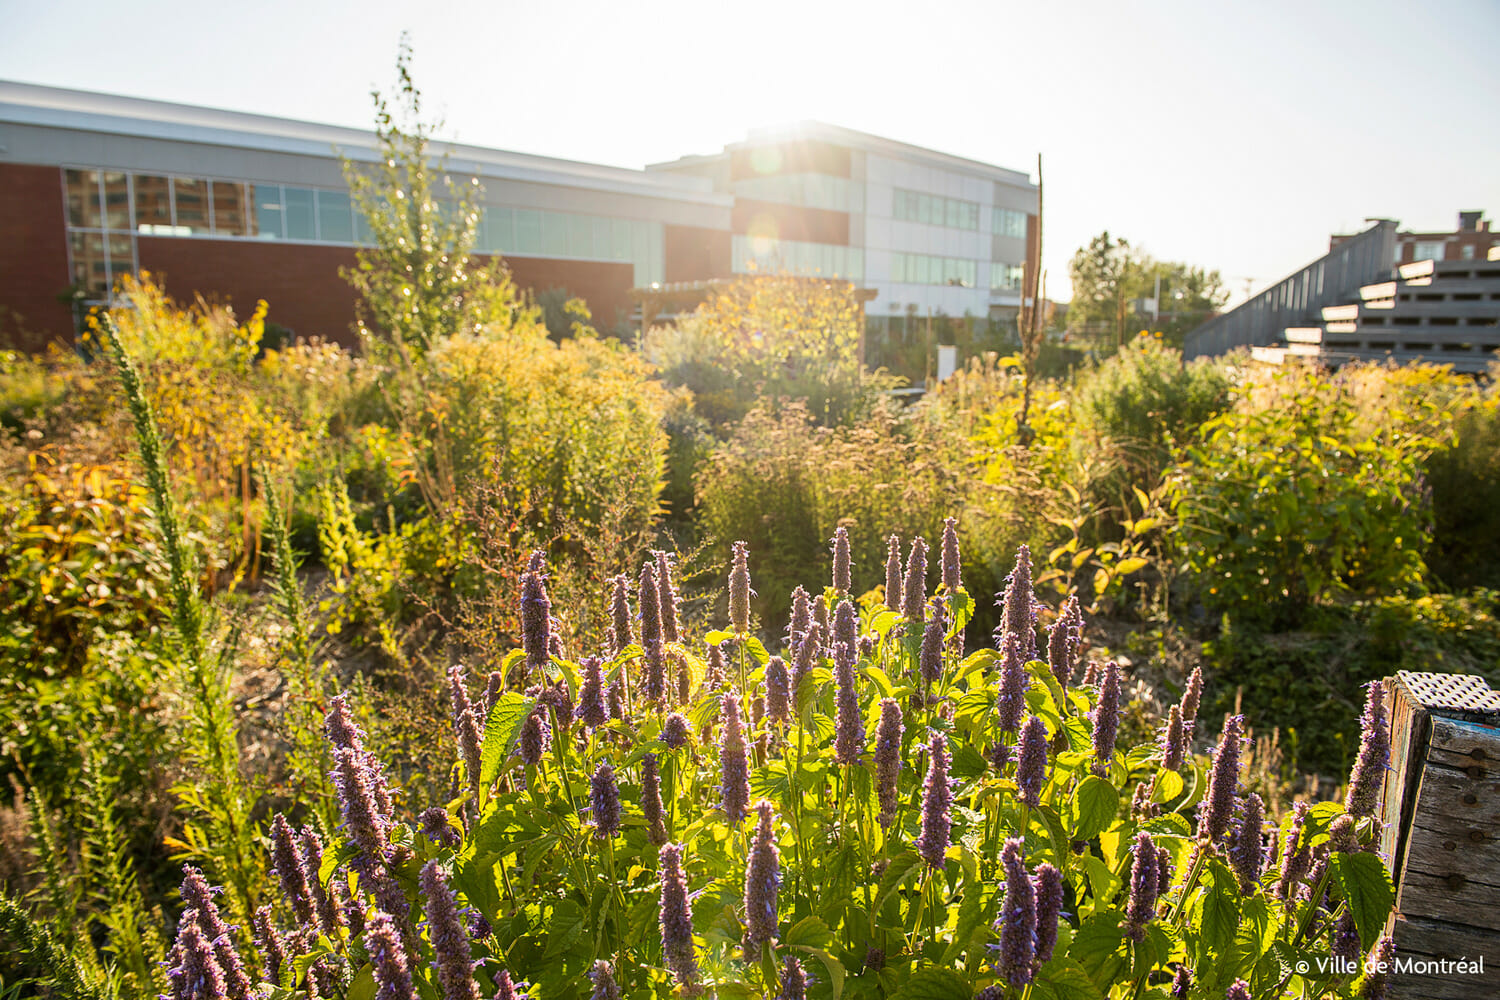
241	207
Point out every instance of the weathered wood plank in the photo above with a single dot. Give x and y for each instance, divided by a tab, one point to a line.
1470	747
1408	720
1426	940
1450	892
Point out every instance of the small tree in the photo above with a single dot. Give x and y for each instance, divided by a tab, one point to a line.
419	281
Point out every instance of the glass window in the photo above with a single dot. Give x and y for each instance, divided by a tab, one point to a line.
300	215
335	218
554	234
229	208
363	234
153	202
191	197
121	255
498	235
116	201
619	234
580	236
971	218
1466	252
951	210
1428	251
602	245
265	211
528	231
90	268
83	197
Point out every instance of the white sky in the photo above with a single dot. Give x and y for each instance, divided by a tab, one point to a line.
1231	139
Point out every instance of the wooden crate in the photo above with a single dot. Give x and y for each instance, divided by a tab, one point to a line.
1440	829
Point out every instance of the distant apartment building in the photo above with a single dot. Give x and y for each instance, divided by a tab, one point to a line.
1472	240
241	207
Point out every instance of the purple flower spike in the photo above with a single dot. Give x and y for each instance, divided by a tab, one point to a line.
842	572
436	828
591	710
1059	658
604	800
762	880
1031	762
846	625
536	737
197	975
893	573
656	823
778	690
914	588
1381	961
1345	944
952	581
1049	903
494	685
1164	871
1145	879
739	590
1296	856
930	660
1238	990
330	916
820	613
1172	741
388	959
1010	707
1107	717
465	727
937	805
1016	953
272	948
506	989
734	768
800	619
450	941
1182	983
807	657
1191	694
619	613
1374	755
713	674
793	981
888	733
674	731
1247	851
198	896
1218	807
849	727
650	604
291	870
676	918
1019	614
603	977
666	591
536	614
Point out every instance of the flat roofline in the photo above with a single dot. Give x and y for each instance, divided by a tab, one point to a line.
864	140
57	107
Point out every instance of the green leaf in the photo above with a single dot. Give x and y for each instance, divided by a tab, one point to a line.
835	969
757	651
895	873
1092	808
1220	909
567	924
363	987
1064	979
970	912
717	636
1103	882
502	731
935	984
809	932
1099	948
1367	889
